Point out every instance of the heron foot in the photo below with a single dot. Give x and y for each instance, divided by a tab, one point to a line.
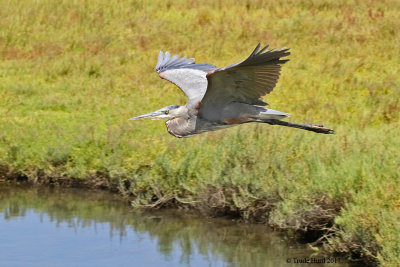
319	128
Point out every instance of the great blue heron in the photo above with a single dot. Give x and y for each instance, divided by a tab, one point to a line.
223	97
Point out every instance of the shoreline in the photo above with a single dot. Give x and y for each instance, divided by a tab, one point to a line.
313	235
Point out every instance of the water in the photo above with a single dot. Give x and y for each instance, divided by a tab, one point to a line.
40	226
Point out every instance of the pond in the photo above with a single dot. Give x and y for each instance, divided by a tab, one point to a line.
41	226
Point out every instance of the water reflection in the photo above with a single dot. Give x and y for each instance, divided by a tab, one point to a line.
61	227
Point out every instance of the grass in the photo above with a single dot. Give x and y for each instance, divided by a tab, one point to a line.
73	72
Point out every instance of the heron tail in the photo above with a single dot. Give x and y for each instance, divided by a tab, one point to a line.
272	114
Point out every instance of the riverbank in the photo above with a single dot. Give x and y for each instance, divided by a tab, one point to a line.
73	73
101	229
320	197
339	192
259	214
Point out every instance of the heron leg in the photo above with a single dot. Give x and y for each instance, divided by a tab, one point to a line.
317	128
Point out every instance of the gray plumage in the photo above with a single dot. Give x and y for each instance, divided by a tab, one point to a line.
223	97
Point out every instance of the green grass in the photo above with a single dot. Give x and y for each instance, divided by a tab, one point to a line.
73	72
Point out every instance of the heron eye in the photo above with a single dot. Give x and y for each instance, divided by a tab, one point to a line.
166	112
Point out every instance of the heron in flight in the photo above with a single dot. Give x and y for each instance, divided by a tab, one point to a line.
223	97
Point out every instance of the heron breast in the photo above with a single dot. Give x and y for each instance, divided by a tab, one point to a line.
179	127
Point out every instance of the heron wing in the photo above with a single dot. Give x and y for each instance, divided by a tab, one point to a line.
246	81
184	73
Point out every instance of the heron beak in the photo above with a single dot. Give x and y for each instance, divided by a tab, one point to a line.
152	116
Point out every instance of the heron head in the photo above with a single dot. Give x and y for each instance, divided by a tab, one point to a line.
167	112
